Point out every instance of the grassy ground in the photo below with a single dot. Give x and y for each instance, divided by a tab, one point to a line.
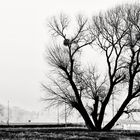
65	134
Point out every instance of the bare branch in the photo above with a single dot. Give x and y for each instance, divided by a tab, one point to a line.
58	26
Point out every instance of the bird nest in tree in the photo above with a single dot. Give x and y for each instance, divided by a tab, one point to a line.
66	42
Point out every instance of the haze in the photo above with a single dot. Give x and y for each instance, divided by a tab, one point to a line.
23	38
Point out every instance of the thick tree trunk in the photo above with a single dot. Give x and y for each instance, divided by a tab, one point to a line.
86	117
104	104
117	116
80	107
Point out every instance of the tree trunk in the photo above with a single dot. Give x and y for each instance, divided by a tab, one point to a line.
80	107
94	114
118	114
86	117
104	104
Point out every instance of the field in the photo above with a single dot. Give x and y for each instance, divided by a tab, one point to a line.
63	133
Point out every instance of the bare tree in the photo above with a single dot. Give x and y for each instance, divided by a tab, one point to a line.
117	33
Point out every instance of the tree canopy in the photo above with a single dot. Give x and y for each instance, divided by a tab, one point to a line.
116	33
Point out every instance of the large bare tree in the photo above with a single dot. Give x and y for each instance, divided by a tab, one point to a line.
116	33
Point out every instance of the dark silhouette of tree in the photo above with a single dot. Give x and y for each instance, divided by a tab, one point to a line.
117	33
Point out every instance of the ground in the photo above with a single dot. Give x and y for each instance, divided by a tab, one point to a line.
65	133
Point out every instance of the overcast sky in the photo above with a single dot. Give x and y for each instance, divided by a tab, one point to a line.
23	37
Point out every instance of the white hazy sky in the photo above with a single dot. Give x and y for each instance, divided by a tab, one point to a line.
23	37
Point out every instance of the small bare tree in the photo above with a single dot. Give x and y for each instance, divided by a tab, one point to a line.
117	34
